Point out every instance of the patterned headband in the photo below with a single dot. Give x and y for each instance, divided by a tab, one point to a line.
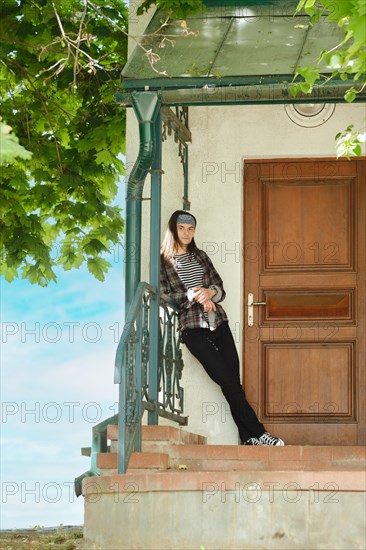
186	218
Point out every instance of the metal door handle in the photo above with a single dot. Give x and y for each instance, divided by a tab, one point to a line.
252	303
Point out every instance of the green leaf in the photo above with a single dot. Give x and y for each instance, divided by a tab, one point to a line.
104	157
357	150
10	148
300	5
98	267
294	90
349	142
35	275
335	61
94	246
350	95
8	272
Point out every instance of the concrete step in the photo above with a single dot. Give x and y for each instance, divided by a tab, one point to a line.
235	457
167	434
329	481
153	461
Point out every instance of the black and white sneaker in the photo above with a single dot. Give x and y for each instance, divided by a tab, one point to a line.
268	439
252	441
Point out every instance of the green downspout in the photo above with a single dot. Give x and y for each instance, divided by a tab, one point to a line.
146	106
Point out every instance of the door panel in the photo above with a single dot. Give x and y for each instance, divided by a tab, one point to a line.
307	370
304	263
308	224
296	304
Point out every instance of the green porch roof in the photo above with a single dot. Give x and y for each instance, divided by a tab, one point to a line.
237	45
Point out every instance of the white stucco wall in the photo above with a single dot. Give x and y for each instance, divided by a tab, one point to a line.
222	138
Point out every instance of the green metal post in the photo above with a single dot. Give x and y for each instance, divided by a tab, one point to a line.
137	443
186	201
146	106
155	223
122	425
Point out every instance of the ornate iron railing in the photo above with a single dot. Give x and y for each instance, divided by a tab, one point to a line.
171	396
136	372
99	445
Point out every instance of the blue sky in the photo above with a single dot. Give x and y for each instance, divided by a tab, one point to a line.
57	358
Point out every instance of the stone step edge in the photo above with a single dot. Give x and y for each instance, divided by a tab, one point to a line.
337	455
241	452
143	461
162	433
330	482
229	466
137	460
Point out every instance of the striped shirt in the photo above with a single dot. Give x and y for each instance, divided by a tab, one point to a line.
189	269
191	314
190	272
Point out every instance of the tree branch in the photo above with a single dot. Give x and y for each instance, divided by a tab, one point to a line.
151	56
78	41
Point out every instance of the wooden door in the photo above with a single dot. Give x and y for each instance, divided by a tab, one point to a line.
304	257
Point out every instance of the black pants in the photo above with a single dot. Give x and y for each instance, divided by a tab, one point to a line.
216	351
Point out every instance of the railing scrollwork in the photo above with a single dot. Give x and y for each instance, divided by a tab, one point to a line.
171	362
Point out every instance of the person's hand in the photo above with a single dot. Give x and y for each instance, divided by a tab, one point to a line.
208	306
203	295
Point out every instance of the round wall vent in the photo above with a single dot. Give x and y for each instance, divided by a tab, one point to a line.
309	115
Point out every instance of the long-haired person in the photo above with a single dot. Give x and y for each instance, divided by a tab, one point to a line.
189	278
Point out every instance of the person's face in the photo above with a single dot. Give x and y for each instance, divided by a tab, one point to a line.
185	233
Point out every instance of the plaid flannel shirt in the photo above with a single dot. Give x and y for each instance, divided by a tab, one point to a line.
191	313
